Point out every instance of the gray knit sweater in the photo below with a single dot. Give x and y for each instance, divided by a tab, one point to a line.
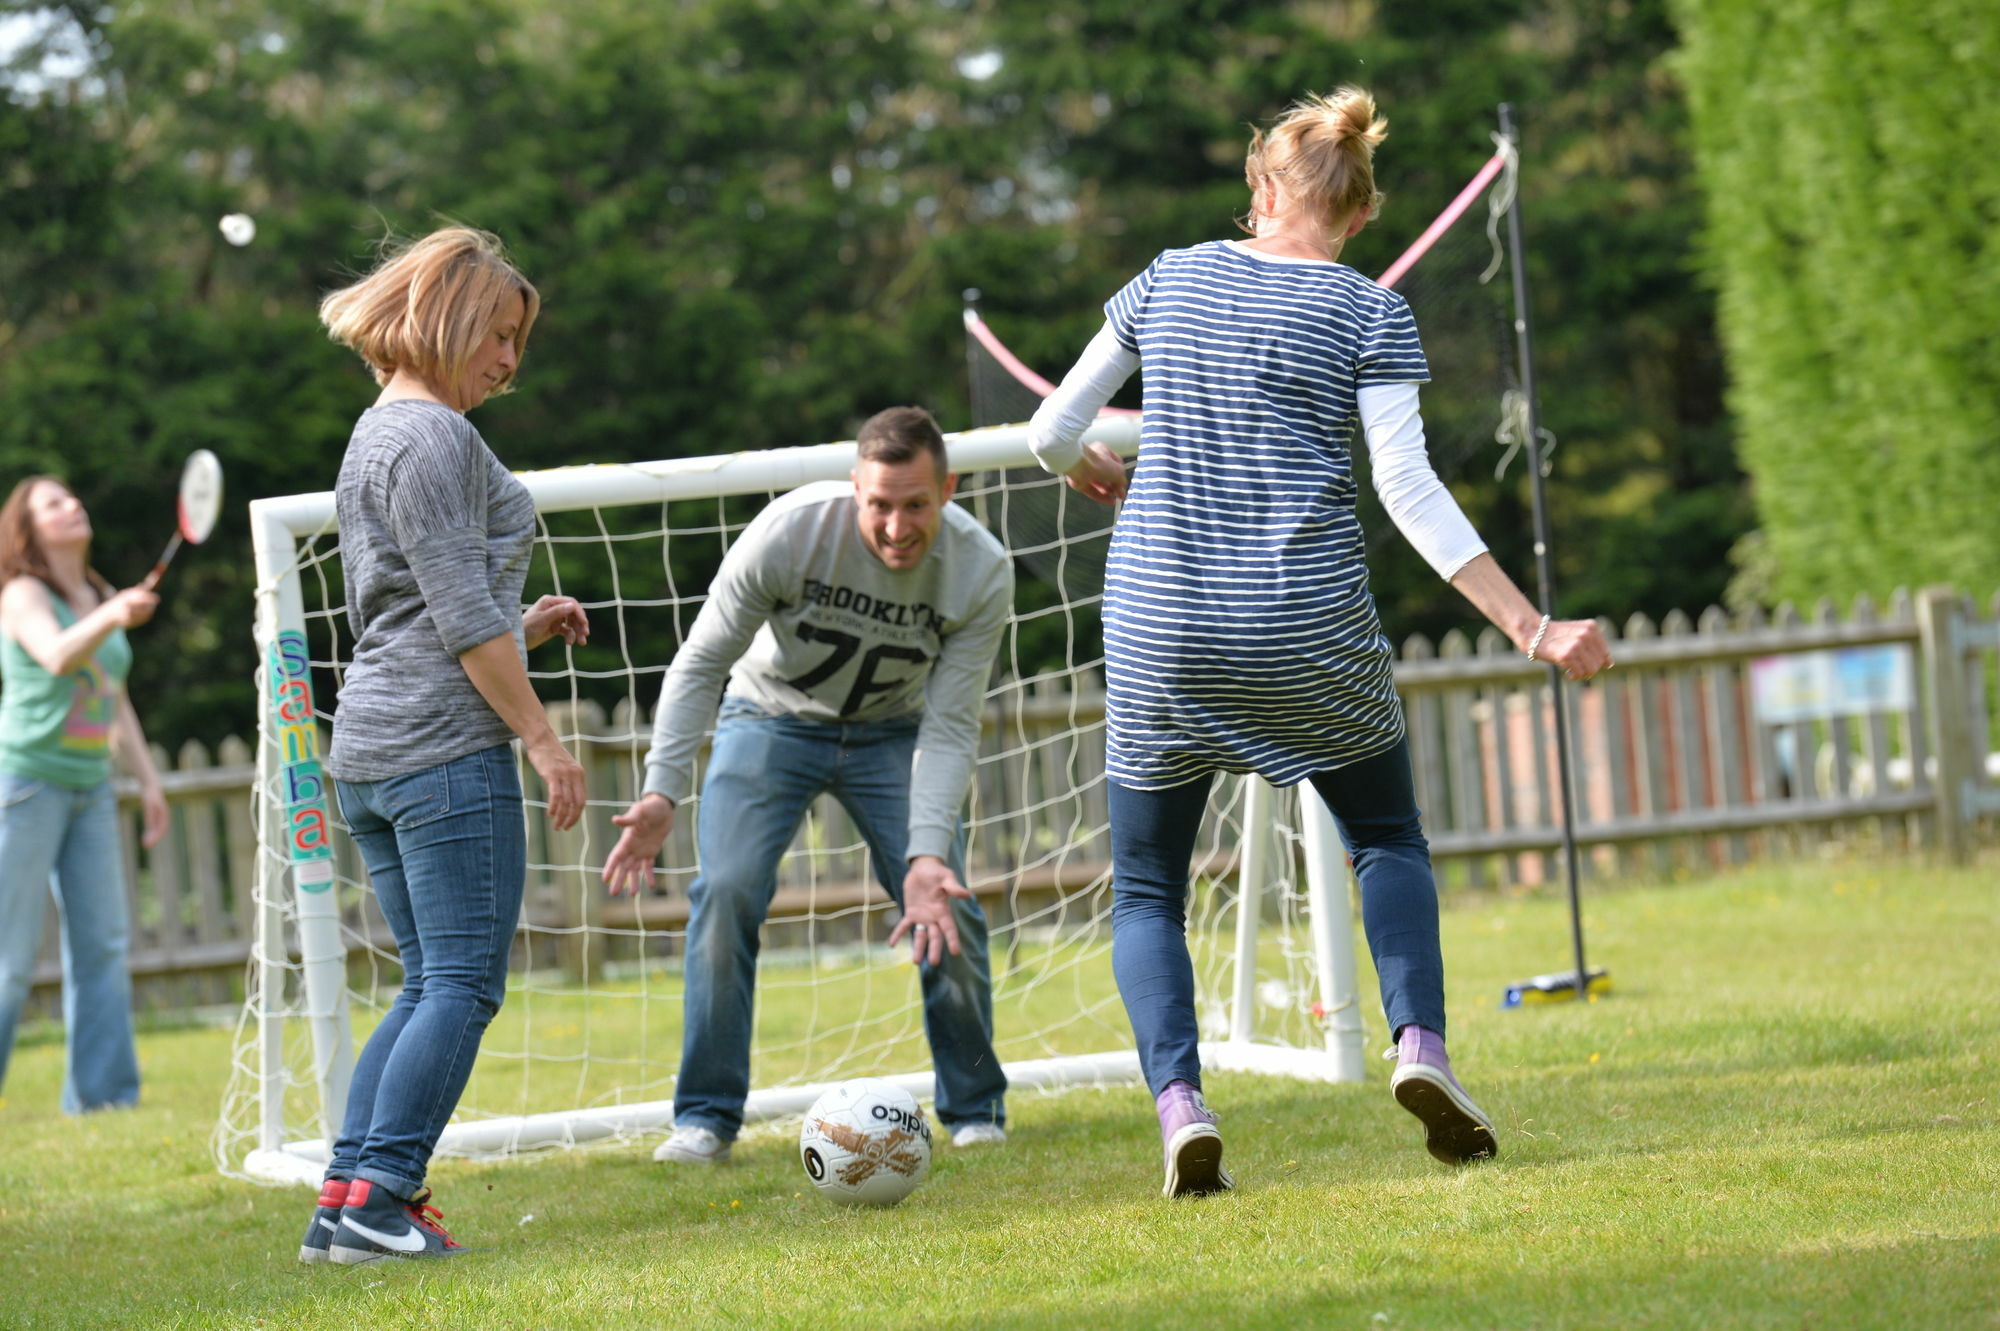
435	537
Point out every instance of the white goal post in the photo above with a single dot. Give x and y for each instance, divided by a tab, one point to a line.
585	1046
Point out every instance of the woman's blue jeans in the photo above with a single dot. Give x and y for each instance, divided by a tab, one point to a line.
446	850
763	773
55	838
1152	843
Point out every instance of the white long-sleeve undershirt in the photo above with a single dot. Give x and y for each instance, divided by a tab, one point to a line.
1400	466
1416	500
1056	431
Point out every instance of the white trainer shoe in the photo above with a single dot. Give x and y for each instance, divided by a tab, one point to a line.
978	1134
690	1145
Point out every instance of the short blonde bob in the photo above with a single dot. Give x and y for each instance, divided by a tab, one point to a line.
427	304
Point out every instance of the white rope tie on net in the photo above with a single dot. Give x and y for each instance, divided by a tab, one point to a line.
1498	200
1512	431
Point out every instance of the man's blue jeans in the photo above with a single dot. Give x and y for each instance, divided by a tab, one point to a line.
763	773
446	850
66	840
1152	842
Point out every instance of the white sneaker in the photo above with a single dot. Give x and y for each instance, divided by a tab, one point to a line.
690	1145
978	1134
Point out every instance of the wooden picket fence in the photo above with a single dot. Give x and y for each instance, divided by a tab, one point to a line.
1675	772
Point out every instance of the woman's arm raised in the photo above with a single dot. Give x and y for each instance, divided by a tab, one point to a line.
29	618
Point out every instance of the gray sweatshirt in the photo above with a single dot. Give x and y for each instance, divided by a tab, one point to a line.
803	619
435	537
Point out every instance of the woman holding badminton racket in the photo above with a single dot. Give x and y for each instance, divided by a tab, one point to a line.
435	542
1239	632
63	717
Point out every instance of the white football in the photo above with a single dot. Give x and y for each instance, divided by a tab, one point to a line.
866	1142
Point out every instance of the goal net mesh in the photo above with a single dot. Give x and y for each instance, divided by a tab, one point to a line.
593	1010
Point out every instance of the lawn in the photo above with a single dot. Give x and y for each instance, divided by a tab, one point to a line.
1787	1115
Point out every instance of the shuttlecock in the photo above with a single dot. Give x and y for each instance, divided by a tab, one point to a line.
238	228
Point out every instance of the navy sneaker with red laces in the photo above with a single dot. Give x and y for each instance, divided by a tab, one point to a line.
376	1224
325	1219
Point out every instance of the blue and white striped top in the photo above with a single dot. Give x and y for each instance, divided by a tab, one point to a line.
1239	631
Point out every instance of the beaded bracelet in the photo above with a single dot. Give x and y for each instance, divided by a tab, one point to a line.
1535	643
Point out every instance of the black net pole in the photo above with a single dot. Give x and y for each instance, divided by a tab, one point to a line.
1524	338
975	382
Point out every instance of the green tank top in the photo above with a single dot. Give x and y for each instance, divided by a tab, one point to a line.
57	728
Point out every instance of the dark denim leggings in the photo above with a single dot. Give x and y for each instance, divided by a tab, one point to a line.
1152	843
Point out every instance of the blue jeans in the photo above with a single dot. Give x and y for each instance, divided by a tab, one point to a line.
447	853
1152	842
763	773
66	840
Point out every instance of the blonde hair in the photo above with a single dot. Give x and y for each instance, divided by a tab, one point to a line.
1324	149
427	304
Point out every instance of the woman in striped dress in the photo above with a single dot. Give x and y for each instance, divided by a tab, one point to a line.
1239	632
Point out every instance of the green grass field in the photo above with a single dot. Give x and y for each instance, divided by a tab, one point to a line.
1788	1115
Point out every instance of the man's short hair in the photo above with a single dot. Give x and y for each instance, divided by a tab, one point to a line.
900	435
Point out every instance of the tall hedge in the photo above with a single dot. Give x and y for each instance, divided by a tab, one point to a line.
1847	149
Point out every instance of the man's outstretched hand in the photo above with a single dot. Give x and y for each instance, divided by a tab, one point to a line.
630	864
927	892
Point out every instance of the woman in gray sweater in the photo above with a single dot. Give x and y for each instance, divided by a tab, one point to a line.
435	538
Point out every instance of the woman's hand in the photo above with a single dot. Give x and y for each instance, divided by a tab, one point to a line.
153	807
1577	646
130	608
563	775
1100	475
554	615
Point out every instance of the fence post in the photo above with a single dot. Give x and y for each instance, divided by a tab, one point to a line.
1940	625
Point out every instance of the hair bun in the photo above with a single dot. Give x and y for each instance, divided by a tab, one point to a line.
1349	113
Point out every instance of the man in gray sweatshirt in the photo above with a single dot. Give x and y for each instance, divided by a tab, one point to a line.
855	623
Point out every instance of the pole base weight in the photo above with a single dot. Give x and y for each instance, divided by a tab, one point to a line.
1557	988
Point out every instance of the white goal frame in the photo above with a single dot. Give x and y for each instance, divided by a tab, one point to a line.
294	865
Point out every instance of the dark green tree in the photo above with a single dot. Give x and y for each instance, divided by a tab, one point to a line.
1853	202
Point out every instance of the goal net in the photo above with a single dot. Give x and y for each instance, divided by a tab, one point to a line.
588	1041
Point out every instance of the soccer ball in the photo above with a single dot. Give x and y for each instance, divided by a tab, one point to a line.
866	1143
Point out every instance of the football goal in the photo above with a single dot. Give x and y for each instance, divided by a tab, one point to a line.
586	1046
